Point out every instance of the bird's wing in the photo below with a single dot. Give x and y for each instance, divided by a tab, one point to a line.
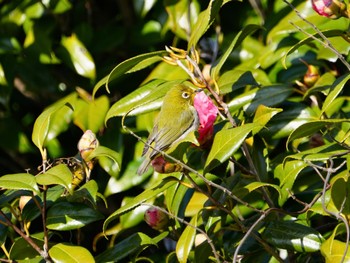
172	132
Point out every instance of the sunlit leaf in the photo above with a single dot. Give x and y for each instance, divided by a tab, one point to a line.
226	142
250	29
80	56
20	181
293	236
127	247
57	175
312	127
263	115
287	174
186	241
128	65
336	88
138	200
333	250
205	19
42	125
69	253
65	216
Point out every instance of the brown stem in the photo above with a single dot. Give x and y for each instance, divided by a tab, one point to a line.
26	238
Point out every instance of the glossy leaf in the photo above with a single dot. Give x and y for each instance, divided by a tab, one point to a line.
269	96
144	99
287	174
138	200
340	193
293	236
333	250
127	247
80	56
20	181
69	253
57	175
226	143
312	127
205	19
250	29
21	250
186	241
133	217
65	216
42	125
263	115
127	180
128	65
97	112
336	88
320	153
106	152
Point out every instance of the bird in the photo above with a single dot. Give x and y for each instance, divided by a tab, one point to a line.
177	118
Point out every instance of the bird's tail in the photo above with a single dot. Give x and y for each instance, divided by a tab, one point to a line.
144	166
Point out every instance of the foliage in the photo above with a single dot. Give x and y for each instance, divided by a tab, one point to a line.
271	186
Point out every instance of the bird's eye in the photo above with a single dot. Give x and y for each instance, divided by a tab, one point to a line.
185	95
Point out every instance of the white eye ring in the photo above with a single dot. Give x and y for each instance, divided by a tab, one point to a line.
185	95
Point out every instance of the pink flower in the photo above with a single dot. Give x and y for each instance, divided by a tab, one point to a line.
156	218
207	113
329	8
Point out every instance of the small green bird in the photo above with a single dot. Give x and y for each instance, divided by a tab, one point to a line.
176	119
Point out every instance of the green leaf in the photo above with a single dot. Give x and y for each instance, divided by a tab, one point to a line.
287	174
106	152
205	19
89	192
340	192
138	200
226	143
336	88
22	250
127	180
321	153
65	216
333	250
246	31
20	181
42	124
80	56
256	185
144	99
327	33
312	127
130	65
127	247
292	236
186	241
97	111
69	253
267	95
133	217
57	175
262	116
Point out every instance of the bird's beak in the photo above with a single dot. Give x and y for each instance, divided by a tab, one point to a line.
198	90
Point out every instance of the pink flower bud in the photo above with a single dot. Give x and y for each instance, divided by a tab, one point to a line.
207	112
156	218
160	165
330	8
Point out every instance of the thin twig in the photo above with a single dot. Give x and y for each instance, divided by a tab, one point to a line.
227	113
336	215
326	42
209	240
18	231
